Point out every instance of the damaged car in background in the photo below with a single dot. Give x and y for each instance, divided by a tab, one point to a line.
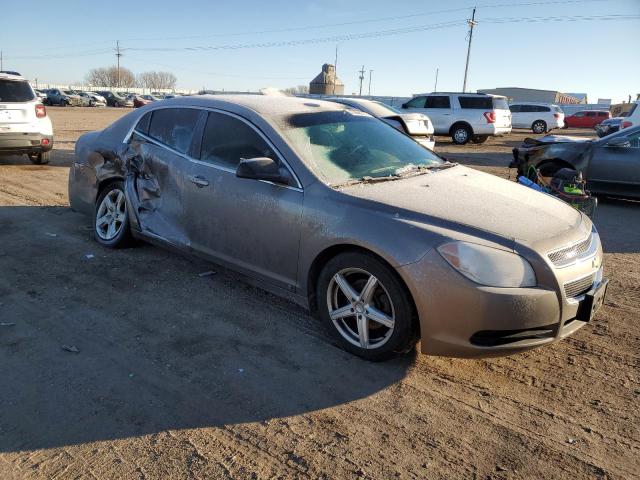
606	166
324	204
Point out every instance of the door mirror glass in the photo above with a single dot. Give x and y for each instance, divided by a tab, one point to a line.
619	142
263	168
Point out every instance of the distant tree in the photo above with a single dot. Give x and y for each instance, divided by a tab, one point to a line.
108	77
157	80
300	89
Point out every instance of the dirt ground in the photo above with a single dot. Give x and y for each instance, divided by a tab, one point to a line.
183	376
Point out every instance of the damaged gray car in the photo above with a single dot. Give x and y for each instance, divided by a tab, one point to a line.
382	239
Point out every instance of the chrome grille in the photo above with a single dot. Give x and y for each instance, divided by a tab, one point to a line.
577	287
567	255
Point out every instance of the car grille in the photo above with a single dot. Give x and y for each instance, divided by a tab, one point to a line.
577	287
568	255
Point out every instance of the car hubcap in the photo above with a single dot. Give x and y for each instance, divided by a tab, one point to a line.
461	135
538	127
111	215
360	308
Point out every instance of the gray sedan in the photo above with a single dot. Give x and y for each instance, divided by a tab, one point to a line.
383	240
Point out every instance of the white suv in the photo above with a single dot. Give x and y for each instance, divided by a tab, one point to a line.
464	116
537	117
25	127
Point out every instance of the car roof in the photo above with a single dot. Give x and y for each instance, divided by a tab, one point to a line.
11	76
544	104
267	105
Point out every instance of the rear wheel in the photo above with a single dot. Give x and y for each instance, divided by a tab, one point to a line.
40	158
480	138
461	134
539	126
111	219
364	307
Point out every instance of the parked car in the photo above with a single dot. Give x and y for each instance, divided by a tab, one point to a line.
63	98
93	99
633	117
41	94
416	125
537	117
25	128
609	126
142	100
464	116
115	100
610	165
586	118
378	236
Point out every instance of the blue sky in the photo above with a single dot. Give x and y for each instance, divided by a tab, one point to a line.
597	57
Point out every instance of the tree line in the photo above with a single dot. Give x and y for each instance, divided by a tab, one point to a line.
125	78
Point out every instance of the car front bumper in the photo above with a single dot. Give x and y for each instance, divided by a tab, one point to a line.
24	143
459	318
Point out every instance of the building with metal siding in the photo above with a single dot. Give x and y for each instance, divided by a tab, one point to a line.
326	82
517	94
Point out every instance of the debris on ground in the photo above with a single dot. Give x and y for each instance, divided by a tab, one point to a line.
51	234
71	348
7	324
207	273
89	256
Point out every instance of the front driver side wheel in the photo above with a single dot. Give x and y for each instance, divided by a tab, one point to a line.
461	134
364	306
111	219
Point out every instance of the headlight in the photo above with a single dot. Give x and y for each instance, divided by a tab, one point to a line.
489	266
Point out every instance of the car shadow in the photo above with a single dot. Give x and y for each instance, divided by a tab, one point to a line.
60	157
618	223
99	344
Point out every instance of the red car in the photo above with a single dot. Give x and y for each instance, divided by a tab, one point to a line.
586	118
142	100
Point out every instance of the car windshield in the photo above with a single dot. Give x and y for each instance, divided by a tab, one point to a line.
348	145
378	109
15	91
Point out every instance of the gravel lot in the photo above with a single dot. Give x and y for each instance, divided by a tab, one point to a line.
183	376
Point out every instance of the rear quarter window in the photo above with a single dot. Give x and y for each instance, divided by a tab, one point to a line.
15	91
477	103
416	102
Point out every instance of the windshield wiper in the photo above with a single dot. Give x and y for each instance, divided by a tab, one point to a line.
403	172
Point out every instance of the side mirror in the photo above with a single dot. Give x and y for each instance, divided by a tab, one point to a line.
263	168
619	142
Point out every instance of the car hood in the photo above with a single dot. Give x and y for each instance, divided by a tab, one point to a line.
468	197
555	139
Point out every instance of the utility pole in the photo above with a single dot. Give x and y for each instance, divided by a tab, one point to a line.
118	55
435	87
472	23
1	64
335	72
370	71
361	77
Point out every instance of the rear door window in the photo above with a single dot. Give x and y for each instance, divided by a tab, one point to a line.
227	140
602	114
515	108
591	114
174	127
416	102
476	103
15	91
438	101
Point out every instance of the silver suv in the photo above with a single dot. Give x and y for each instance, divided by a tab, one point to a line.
464	116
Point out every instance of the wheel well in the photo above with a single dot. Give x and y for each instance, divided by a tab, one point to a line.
556	161
103	183
323	257
459	124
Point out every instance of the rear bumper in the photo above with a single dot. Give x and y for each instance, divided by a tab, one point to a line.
24	143
491	129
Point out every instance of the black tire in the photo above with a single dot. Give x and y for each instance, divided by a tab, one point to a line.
63	103
123	237
116	104
539	126
41	158
461	134
478	139
389	295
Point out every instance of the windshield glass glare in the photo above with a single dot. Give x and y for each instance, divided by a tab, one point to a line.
350	145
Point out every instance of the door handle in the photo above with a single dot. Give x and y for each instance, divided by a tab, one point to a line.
199	181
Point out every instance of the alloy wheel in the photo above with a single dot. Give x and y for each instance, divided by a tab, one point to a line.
112	214
361	308
461	135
